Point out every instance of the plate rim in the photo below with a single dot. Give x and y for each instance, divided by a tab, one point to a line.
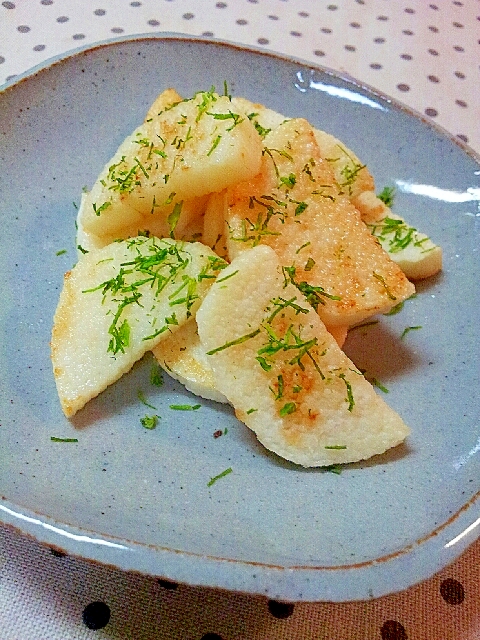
181	37
69	538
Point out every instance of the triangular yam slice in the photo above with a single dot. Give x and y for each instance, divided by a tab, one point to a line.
416	254
295	206
188	150
119	302
285	375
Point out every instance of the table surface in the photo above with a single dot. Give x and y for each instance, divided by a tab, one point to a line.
422	54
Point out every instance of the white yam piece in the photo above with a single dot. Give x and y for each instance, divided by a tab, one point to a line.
295	206
285	375
189	150
119	302
183	357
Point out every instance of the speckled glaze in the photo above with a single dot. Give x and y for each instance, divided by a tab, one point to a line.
140	499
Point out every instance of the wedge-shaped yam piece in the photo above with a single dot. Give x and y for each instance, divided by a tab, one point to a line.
351	175
263	118
284	373
171	220
182	356
164	100
422	258
119	302
189	150
414	252
295	206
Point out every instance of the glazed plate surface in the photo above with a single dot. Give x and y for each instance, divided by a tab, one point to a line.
139	499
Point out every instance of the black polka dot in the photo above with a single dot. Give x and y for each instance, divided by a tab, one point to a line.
117	30
376	66
433	29
382	18
96	615
431	112
62	19
452	590
461	103
167	584
460	75
319	53
325	30
406	56
221	5
459	25
407	32
459	48
272	17
207	34
403	87
280	610
393	630
188	16
263	41
433	52
409	10
78	36
296	34
46	2
433	79
433	6
303	14
350	47
355	25
135	4
99	12
153	23
462	137
23	28
379	40
39	47
242	22
8	5
332	7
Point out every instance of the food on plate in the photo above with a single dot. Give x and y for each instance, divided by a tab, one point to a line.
287	378
186	151
413	251
294	205
239	246
183	356
116	304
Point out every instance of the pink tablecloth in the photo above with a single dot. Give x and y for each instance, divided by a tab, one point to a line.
423	54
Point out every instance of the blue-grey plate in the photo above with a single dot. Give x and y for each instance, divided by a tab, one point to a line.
140	499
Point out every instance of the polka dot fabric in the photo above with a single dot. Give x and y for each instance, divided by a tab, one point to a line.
425	54
47	595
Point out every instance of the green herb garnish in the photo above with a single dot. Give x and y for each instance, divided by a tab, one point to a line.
185	407
387	196
149	422
220	475
55	439
156	376
143	400
408	329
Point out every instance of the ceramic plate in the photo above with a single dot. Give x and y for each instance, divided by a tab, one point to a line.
140	499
